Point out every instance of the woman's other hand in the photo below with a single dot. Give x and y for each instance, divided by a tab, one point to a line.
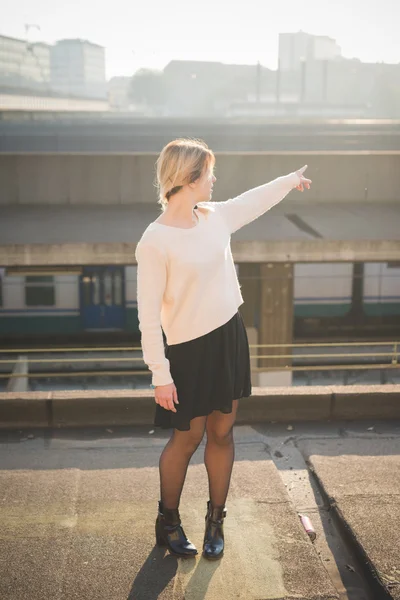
166	396
304	182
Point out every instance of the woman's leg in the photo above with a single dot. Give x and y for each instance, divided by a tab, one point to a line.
220	453
175	459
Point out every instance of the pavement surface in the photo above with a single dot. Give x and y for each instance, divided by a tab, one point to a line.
362	478
77	512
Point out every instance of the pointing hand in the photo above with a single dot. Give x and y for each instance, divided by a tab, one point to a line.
303	181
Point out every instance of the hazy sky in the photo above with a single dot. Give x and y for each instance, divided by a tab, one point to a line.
139	33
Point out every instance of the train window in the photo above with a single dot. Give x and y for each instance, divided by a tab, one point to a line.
39	290
118	288
382	290
107	288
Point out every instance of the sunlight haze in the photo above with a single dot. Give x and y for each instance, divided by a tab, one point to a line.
151	34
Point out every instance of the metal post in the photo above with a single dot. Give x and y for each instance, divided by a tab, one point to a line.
325	82
258	81
278	82
303	80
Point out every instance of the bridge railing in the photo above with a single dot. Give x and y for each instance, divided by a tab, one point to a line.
329	359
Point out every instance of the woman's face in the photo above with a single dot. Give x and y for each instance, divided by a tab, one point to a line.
206	183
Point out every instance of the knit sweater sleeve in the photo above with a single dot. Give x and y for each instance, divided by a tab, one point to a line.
151	282
250	205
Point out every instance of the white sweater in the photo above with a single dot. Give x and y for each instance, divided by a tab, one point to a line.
186	278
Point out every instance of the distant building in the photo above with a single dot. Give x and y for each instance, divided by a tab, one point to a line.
70	68
203	87
118	93
24	64
297	47
78	68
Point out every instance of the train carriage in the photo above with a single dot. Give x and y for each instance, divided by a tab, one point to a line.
328	298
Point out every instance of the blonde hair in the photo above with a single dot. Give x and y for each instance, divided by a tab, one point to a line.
182	161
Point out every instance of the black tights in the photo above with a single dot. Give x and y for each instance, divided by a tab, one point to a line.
219	455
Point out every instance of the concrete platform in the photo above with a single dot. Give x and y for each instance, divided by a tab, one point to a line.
78	508
361	477
91	408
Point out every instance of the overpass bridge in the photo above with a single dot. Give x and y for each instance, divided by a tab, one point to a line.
77	192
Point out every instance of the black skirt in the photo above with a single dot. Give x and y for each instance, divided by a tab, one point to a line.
209	372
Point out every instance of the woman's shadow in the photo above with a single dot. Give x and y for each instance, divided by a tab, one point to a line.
160	568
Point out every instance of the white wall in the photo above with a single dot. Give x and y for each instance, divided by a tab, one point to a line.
108	180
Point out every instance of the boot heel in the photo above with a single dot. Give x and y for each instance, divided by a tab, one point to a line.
159	537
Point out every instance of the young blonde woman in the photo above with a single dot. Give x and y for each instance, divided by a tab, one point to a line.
188	287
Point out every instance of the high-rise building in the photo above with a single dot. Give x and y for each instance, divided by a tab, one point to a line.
24	64
297	47
78	68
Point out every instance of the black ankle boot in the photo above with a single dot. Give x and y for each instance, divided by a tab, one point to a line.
213	546
169	532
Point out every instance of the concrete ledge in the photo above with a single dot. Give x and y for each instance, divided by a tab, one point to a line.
136	407
285	403
381	402
102	408
24	409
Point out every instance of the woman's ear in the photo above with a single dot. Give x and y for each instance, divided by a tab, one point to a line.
193	185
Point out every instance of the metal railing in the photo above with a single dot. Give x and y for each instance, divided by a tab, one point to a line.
392	357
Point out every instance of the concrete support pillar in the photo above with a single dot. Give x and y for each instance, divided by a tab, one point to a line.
249	276
276	321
